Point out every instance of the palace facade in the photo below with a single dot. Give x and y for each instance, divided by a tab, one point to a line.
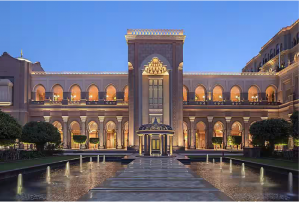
112	106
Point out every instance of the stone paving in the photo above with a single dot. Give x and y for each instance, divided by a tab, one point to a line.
155	179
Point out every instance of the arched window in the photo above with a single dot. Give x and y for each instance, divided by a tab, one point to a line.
236	129
111	93
93	93
253	94
75	130
185	93
93	133
277	49
235	94
271	53
271	94
126	94
111	135
75	93
200	138
200	93
218	93
59	128
218	129
57	93
39	93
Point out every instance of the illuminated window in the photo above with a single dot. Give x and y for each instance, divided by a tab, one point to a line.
218	93
59	128
126	94
155	93
200	138
270	94
75	130
57	93
253	94
218	129
111	93
93	133
75	93
200	93
39	93
235	94
111	135
185	93
185	134
93	93
236	129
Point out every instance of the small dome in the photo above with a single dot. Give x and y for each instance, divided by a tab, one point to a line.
155	126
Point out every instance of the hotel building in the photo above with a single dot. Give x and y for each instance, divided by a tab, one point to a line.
112	106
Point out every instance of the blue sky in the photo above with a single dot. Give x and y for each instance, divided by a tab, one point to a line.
89	36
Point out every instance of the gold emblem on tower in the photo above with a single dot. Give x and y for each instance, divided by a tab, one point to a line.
155	67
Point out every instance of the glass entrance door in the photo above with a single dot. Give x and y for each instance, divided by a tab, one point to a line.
155	145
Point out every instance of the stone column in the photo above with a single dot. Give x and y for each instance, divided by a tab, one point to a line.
161	144
227	130
165	145
140	144
171	144
101	136
119	134
193	135
47	118
246	132
150	144
83	130
146	145
67	137
210	132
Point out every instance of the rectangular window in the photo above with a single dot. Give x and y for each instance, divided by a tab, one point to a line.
155	93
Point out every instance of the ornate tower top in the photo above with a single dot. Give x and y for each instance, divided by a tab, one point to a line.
158	34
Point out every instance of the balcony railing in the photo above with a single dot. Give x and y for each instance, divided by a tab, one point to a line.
246	102
37	102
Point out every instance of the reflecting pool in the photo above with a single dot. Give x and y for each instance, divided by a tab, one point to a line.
247	185
38	186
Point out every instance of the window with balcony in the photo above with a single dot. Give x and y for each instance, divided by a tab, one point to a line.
218	93
111	93
200	94
93	93
271	94
235	94
185	93
75	93
126	94
253	94
57	93
40	93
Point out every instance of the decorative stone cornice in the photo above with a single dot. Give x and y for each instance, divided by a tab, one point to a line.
155	67
101	118
65	118
83	118
228	119
47	118
119	118
210	118
246	119
264	118
192	118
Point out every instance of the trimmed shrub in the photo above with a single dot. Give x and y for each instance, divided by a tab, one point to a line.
80	139
217	140
94	140
233	140
40	133
10	129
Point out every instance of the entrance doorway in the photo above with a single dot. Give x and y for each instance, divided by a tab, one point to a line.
155	145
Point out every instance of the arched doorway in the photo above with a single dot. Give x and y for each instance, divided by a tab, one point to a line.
75	93
57	93
93	133
236	129
125	132
58	125
185	135
111	135
200	93
253	94
271	94
200	138
250	139
75	130
185	93
218	93
111	93
93	93
235	94
39	93
219	132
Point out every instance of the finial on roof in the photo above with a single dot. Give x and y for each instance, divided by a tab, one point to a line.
21	53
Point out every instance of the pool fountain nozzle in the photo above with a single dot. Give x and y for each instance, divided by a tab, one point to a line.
261	176
243	171
206	158
20	184
67	171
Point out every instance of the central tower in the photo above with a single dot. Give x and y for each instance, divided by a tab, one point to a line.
155	80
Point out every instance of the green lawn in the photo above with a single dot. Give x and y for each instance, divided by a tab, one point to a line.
32	162
272	162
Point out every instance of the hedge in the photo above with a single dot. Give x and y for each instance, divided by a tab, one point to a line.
217	140
94	140
234	140
79	139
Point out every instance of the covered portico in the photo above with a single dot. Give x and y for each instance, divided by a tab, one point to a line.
155	136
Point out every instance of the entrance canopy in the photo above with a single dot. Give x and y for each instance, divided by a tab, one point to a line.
155	128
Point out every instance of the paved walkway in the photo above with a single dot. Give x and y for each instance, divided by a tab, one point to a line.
155	179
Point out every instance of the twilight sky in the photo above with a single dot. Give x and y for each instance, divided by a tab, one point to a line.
89	36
